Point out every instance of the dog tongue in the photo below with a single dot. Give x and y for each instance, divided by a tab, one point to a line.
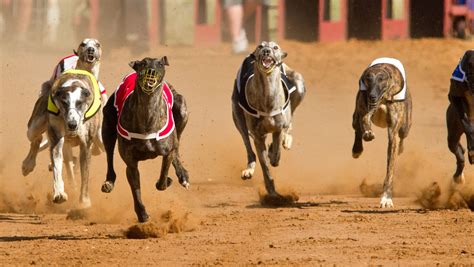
267	62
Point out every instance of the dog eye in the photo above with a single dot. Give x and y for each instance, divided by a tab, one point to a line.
79	104
275	47
260	46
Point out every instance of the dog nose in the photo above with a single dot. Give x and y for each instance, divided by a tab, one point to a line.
90	50
72	125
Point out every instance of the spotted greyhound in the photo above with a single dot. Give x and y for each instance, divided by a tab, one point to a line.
265	96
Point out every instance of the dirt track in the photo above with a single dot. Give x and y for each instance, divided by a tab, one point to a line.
219	219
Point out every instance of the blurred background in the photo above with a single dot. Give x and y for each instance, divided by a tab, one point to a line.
141	24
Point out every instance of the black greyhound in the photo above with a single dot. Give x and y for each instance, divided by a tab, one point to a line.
149	117
460	113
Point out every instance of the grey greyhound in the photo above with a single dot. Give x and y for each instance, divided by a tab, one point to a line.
265	96
383	99
147	116
73	119
86	57
460	112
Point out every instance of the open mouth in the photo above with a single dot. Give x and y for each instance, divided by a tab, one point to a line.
90	57
267	62
151	83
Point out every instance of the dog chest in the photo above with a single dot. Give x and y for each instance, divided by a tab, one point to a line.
144	149
379	117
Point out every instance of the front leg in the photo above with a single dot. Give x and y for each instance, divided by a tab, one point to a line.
468	126
358	146
133	177
263	159
274	150
164	181
364	116
109	138
393	144
69	164
85	158
56	154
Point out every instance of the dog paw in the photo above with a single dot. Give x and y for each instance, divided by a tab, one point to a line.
85	202
248	172
185	184
107	187
459	180
287	141
386	202
163	185
143	217
60	197
368	136
356	155
27	167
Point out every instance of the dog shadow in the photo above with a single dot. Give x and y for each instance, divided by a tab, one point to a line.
20	218
298	205
390	211
56	237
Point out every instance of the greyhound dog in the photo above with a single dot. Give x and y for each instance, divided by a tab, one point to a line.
149	117
86	57
265	95
460	113
73	119
383	99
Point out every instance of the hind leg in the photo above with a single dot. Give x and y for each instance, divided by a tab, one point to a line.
181	172
164	181
239	121
406	123
109	137
180	115
455	132
296	96
274	150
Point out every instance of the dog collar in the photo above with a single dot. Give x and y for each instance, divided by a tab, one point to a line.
267	72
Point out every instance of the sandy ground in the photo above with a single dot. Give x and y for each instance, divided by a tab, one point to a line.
219	220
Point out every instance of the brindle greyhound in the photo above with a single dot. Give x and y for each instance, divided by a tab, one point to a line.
265	96
144	111
73	119
87	57
460	113
383	99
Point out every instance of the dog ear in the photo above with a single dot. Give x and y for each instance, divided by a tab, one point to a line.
164	61
467	58
283	54
135	65
75	52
